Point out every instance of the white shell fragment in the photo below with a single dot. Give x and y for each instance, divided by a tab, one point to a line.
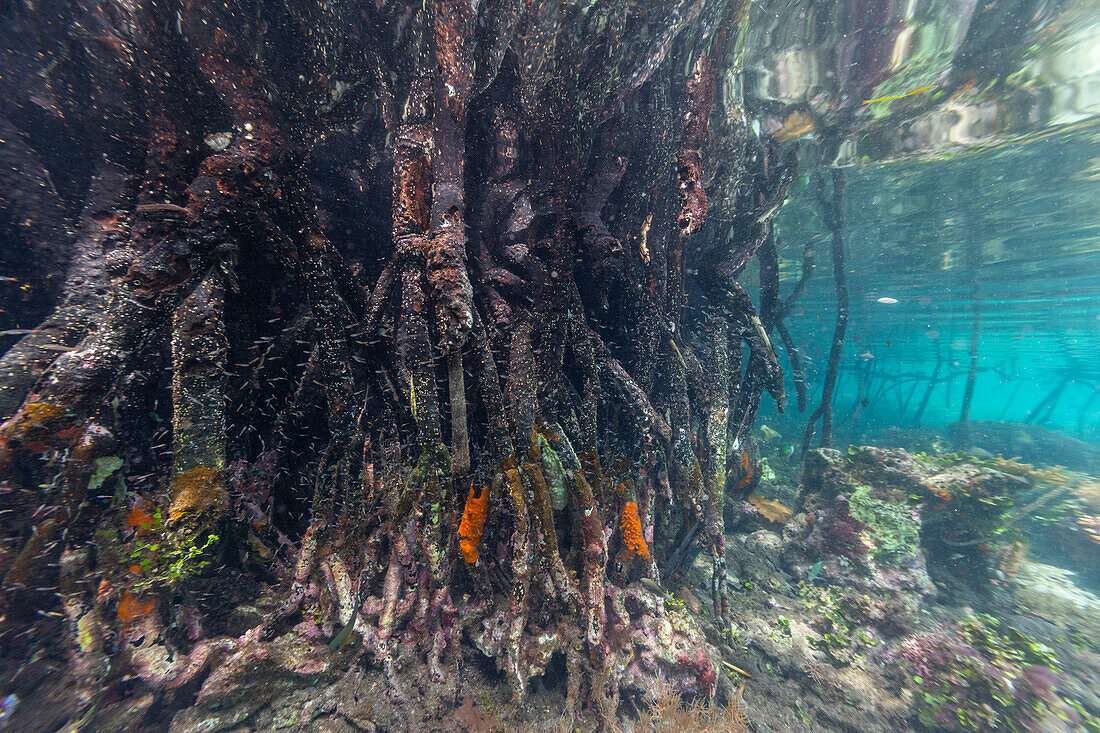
219	140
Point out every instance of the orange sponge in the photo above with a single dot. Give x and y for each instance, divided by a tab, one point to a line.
131	608
473	524
632	532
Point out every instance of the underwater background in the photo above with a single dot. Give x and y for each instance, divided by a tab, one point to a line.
1007	238
617	366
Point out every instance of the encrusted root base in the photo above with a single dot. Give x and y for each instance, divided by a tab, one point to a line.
299	682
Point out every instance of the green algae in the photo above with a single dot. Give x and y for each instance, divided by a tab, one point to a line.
554	473
894	531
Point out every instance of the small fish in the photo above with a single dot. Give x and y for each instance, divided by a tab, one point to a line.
653	585
736	669
343	637
866	356
162	210
887	300
900	96
788	450
17	332
769	434
6	279
814	572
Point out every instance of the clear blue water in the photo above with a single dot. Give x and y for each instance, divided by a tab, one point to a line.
1030	213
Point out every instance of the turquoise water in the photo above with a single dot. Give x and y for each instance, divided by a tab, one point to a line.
1026	215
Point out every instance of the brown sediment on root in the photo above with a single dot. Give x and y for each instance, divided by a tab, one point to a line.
412	191
35	422
450	285
197	492
448	281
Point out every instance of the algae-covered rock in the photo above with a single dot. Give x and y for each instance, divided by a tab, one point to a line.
914	515
830	472
1050	592
659	642
865	506
982	675
893	528
860	529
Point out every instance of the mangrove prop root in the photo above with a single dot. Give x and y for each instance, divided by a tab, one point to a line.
972	267
833	210
620	380
595	545
696	123
102	226
460	437
798	371
713	454
198	405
